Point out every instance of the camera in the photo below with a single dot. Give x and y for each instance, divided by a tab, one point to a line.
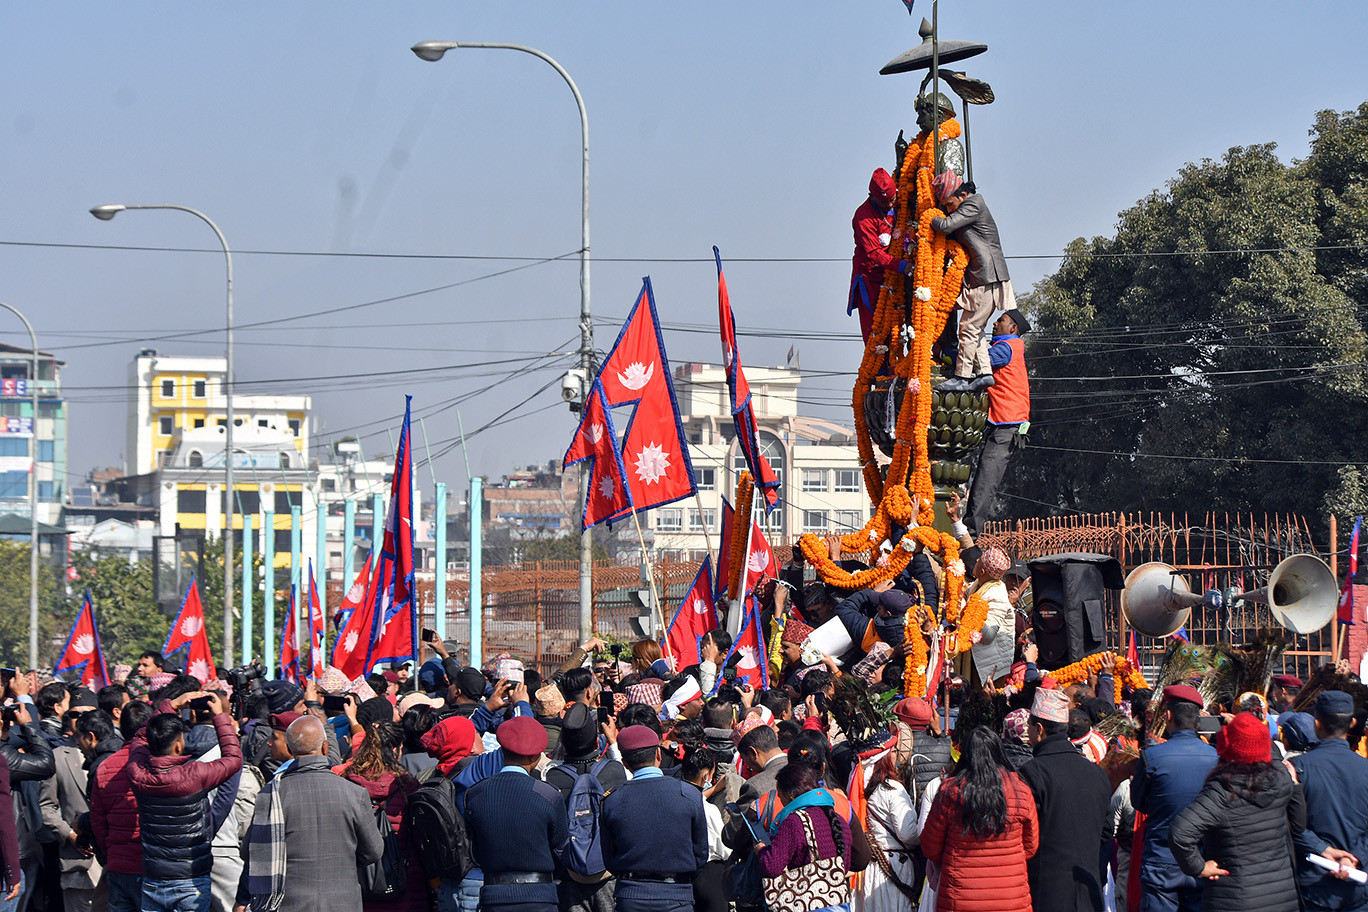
246	676
572	386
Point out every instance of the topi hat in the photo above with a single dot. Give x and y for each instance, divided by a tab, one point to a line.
945	184
1050	706
795	632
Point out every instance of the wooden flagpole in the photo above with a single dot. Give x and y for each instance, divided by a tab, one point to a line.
655	595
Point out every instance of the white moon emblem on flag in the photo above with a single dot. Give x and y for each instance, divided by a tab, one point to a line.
636	375
699	606
749	657
652	463
350	643
191	626
595	433
83	644
606	487
757	561
199	669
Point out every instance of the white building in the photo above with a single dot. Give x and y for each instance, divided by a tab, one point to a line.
816	461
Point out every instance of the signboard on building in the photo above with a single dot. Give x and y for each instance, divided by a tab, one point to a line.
12	386
17	426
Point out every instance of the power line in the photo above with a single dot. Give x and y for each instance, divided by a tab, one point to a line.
1192	458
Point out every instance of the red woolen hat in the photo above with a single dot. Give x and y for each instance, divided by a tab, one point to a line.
882	185
522	735
1245	740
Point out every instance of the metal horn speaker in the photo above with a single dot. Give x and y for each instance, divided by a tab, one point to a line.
1301	593
1157	599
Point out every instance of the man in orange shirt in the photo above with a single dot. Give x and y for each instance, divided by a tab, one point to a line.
1009	411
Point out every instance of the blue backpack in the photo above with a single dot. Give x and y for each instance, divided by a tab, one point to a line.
584	856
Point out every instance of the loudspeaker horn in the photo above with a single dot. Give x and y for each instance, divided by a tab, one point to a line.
1157	599
1301	593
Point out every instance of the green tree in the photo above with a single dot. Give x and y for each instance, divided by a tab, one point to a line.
1212	325
14	606
564	548
121	591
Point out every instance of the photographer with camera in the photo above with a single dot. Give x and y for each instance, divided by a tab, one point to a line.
29	757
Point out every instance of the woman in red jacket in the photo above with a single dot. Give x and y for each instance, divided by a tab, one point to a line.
981	830
378	768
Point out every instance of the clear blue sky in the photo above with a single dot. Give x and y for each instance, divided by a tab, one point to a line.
310	126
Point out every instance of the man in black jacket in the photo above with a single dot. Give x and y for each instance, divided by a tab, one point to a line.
30	760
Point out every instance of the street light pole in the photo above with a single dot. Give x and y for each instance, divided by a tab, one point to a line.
433	51
33	495
105	213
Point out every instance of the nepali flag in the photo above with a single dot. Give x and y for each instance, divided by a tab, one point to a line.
743	413
724	551
396	596
695	616
609	494
760	562
316	628
356	627
289	644
83	655
188	630
908	4
637	373
748	651
1346	602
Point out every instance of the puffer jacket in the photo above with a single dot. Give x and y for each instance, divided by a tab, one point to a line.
27	767
982	875
173	805
1251	837
930	759
114	813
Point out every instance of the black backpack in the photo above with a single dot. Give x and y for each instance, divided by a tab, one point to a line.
387	876
437	830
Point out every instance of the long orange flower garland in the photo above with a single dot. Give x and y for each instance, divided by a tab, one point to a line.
1125	675
971	622
736	561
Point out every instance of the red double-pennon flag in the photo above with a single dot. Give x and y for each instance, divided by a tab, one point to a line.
596	440
289	643
352	646
188	628
695	616
742	411
749	648
396	603
724	550
83	653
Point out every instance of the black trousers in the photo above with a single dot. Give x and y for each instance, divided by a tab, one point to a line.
998	444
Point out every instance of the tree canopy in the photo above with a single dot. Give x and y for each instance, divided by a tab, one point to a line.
1211	354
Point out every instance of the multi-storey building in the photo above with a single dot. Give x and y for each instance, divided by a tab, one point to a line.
32	446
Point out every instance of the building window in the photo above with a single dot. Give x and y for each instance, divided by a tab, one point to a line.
328	484
45	491
282	541
284	500
847	480
221	422
190	501
815	480
814	520
13	446
669	520
263	423
14	485
166	425
772	450
168	388
45	451
284	459
847	520
704	523
199	422
294	427
199	389
707	479
196	459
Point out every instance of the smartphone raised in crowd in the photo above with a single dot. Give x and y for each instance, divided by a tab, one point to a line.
756	834
429	635
200	704
334	704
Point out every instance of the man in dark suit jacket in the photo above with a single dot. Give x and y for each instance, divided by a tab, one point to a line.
1072	797
1336	783
329	829
987	286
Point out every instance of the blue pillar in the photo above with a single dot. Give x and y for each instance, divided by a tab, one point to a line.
247	583
439	572
296	557
377	528
476	565
348	536
268	591
321	568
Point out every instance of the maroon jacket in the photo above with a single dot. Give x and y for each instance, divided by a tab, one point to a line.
9	838
114	812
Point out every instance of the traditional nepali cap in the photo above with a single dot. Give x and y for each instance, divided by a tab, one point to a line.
84	696
522	735
548	701
333	681
160	680
418	699
637	737
687	692
489	666
915	712
1051	706
795	631
1334	702
1014	725
282	720
647	692
881	185
1023	325
945	184
895	600
1298	730
745	727
620	702
993	563
1287	680
137	685
280	695
1185	693
1245	739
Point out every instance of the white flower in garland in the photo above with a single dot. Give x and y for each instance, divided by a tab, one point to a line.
923	293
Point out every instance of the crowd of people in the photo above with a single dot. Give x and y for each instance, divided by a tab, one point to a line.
618	781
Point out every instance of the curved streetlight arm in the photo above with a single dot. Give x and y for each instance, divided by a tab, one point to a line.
105	213
33	496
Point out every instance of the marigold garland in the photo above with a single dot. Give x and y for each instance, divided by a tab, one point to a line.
1124	674
971	622
736	561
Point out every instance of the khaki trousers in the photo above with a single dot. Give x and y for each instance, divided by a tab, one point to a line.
977	306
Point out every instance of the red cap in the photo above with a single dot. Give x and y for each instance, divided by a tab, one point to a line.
881	185
1184	692
637	737
522	735
914	712
391	676
281	721
1245	739
795	632
1287	680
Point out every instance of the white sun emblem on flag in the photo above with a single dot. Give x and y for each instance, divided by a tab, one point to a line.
636	375
357	590
595	433
606	487
83	644
199	669
652	463
191	626
757	561
749	657
350	643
